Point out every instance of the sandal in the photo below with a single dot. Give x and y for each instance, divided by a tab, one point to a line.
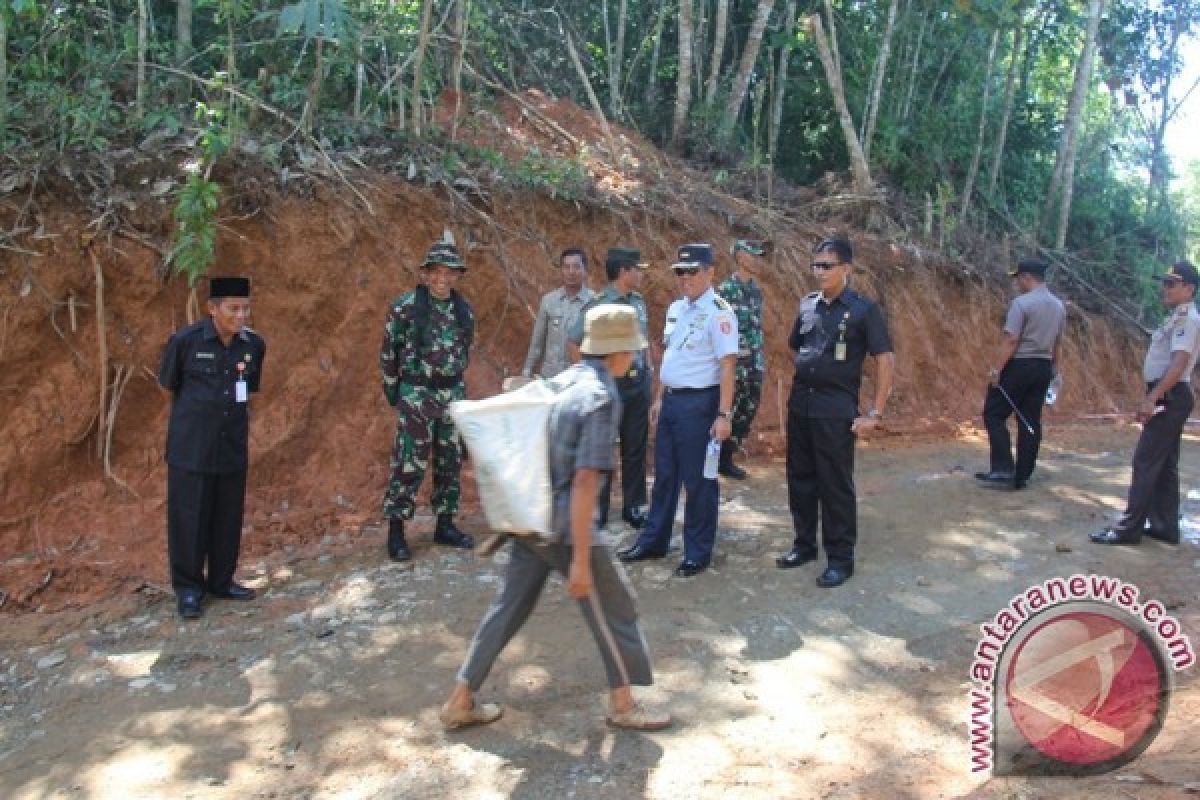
638	718
480	714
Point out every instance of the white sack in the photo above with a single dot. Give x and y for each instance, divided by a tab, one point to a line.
508	439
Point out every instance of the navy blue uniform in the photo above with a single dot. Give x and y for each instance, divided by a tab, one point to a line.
207	451
697	336
831	340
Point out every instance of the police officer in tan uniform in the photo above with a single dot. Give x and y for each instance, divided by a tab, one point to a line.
1167	370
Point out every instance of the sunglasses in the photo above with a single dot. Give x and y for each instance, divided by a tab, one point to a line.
1171	283
824	265
686	270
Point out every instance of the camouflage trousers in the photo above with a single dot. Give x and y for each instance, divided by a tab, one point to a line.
747	393
424	430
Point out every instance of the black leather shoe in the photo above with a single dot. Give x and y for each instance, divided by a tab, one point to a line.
1018	484
637	552
995	476
397	546
1154	533
636	518
234	591
834	576
189	605
448	534
1110	536
687	569
795	558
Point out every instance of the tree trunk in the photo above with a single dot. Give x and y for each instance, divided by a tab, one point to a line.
314	90
858	161
618	101
1010	91
741	79
183	31
916	63
418	112
973	170
3	71
652	84
885	49
683	83
718	51
462	9
139	103
587	86
1159	178
1064	163
789	27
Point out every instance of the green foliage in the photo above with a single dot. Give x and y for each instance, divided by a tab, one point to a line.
72	74
558	177
197	201
196	227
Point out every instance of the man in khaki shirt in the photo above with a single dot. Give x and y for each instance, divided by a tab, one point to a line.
1164	410
556	317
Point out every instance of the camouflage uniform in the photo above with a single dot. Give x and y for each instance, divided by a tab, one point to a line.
421	379
747	302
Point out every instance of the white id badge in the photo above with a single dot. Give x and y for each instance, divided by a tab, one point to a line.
240	394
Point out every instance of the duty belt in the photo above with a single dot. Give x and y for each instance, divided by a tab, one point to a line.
433	381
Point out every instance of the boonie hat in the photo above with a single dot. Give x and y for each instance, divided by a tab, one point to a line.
445	254
1182	271
1033	266
625	257
611	328
754	247
695	255
219	288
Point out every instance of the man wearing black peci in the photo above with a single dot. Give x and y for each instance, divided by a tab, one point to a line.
209	368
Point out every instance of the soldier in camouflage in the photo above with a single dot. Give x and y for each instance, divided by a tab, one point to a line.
745	296
426	341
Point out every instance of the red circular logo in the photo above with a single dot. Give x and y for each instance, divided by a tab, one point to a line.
1086	688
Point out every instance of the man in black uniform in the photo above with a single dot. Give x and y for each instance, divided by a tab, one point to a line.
833	333
209	368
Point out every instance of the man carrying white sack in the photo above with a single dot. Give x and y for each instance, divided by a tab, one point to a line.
583	429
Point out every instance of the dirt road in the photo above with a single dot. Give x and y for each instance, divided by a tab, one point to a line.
328	685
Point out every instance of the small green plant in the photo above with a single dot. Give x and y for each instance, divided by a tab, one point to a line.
559	177
197	200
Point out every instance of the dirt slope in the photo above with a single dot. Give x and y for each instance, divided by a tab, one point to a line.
324	269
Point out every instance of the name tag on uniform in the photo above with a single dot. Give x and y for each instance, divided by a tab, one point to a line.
209	356
240	393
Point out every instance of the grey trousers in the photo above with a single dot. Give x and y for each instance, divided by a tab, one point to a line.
1154	492
609	610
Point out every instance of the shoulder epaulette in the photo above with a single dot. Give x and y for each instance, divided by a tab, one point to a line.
721	303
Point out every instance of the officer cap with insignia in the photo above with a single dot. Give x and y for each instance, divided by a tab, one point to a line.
230	286
754	247
624	257
1029	266
1182	271
443	253
695	255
